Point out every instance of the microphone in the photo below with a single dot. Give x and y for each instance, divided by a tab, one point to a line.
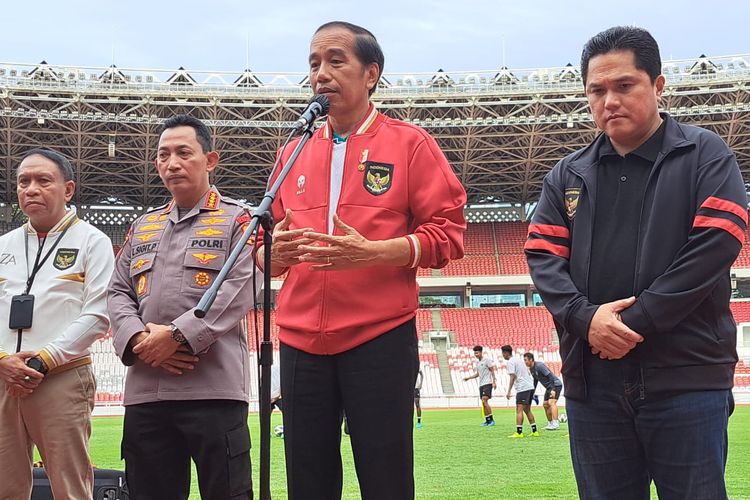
318	106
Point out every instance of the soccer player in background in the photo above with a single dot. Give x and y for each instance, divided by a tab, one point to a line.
485	371
521	378
552	385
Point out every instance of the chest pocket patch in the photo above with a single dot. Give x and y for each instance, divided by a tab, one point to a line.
204	259
378	177
201	267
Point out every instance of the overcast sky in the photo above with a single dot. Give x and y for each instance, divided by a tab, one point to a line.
416	35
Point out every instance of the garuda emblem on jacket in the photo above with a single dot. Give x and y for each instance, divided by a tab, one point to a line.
378	177
571	202
65	258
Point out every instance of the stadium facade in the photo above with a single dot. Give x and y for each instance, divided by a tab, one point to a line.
502	130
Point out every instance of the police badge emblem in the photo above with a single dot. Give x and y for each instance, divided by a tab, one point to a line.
378	177
202	278
142	285
65	258
571	202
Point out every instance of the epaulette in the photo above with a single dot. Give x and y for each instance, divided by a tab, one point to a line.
156	213
232	201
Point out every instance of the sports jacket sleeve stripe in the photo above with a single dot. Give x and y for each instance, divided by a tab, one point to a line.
93	321
719	223
726	206
547	256
549	230
705	257
546	246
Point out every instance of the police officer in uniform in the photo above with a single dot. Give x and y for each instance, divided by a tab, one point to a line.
187	386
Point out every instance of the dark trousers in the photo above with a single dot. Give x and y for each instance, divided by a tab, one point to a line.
159	439
374	385
622	438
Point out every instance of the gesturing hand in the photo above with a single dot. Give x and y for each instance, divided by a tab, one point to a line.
335	252
285	251
609	337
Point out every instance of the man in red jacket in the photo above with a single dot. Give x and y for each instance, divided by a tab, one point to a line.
369	200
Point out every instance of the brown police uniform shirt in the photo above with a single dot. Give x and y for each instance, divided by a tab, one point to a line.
163	269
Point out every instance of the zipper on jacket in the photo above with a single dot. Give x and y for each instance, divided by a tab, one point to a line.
642	385
343	179
592	197
325	273
651	176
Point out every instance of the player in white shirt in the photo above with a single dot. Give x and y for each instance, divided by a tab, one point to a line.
524	382
485	370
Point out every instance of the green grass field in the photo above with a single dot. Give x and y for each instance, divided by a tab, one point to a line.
455	458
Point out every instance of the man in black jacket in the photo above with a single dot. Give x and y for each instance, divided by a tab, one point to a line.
630	248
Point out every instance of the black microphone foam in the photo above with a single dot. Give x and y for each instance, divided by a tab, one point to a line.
317	107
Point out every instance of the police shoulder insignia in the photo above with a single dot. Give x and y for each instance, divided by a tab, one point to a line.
212	200
378	177
243	218
65	258
571	201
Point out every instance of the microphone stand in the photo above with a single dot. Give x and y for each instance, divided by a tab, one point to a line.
261	215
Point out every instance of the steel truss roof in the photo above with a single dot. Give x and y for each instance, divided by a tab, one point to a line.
502	130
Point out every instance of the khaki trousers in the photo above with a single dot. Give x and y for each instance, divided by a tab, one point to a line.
56	418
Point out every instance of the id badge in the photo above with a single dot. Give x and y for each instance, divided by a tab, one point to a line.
21	312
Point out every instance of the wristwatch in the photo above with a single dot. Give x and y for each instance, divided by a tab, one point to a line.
36	363
177	335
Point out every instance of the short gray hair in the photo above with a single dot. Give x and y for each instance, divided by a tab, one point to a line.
66	169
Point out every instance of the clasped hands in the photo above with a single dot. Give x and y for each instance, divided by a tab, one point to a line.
156	347
324	251
20	380
609	337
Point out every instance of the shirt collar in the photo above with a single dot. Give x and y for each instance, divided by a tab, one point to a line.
649	150
210	201
361	128
68	219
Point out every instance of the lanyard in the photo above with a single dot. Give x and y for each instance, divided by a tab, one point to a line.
37	264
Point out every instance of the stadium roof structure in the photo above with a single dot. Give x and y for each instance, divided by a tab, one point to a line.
502	129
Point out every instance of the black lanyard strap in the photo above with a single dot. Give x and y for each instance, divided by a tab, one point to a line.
37	264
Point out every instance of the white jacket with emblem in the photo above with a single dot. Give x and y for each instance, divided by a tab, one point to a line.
70	290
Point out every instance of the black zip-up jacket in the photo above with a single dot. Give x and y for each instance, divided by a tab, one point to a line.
693	218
